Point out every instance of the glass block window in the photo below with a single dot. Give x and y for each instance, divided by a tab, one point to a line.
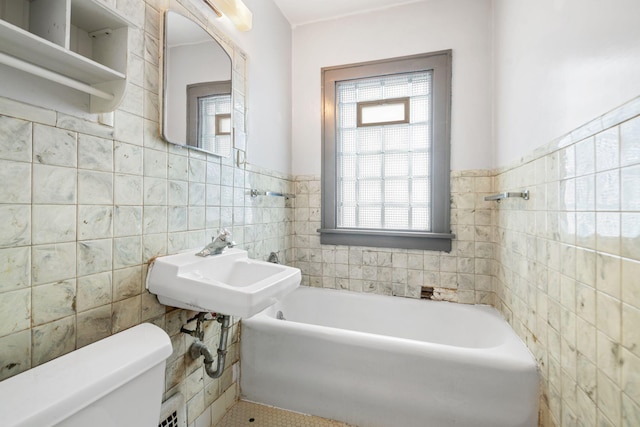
384	169
385	153
214	116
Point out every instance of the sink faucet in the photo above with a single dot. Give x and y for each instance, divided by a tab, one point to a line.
218	244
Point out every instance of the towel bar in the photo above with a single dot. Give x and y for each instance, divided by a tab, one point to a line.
256	193
497	197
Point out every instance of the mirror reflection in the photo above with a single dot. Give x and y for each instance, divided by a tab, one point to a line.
197	88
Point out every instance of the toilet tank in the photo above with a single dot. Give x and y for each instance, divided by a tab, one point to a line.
115	382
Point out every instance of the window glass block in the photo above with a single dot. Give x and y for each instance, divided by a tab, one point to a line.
384	169
396	218
348	193
347	141
369	90
369	217
347	166
420	219
419	164
347	217
369	166
347	93
370	192
396	138
396	165
397	88
421	84
419	137
370	139
419	109
348	116
420	192
396	192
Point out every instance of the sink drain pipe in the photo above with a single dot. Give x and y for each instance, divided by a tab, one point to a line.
198	348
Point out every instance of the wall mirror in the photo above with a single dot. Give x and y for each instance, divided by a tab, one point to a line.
197	88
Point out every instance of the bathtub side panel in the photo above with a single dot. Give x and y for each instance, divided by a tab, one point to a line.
371	384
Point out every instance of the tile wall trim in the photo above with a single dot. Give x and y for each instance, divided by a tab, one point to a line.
597	125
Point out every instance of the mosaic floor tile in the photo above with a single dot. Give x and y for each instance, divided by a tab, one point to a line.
255	415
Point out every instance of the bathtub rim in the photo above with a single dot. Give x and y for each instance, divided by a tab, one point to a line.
512	352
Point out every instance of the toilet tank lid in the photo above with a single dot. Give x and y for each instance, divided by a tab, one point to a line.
51	392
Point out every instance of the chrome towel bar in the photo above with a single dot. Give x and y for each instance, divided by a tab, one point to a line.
256	193
497	197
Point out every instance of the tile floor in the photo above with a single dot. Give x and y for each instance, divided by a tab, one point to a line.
255	415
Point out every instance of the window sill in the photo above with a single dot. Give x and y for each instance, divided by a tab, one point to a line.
386	239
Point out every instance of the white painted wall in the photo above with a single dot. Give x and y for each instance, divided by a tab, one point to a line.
431	25
268	47
559	64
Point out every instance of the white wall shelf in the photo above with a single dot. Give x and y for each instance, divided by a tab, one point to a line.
80	44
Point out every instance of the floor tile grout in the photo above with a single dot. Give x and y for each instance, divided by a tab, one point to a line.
251	414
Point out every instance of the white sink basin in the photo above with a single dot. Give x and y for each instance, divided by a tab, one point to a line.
228	283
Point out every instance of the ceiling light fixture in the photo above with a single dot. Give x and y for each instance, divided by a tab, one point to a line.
235	10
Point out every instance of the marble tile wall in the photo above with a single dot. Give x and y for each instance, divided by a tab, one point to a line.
568	269
464	275
84	206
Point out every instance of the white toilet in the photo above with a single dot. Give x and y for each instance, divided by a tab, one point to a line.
115	382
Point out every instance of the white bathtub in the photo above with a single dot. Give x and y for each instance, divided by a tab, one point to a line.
376	361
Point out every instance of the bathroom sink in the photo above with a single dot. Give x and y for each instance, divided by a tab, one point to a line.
228	283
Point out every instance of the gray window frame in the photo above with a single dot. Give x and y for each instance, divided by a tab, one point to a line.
439	239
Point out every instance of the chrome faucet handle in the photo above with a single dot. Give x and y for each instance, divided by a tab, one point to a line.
223	234
218	244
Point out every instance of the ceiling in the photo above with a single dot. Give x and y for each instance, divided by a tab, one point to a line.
299	12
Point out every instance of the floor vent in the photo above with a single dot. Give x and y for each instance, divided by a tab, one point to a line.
173	412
